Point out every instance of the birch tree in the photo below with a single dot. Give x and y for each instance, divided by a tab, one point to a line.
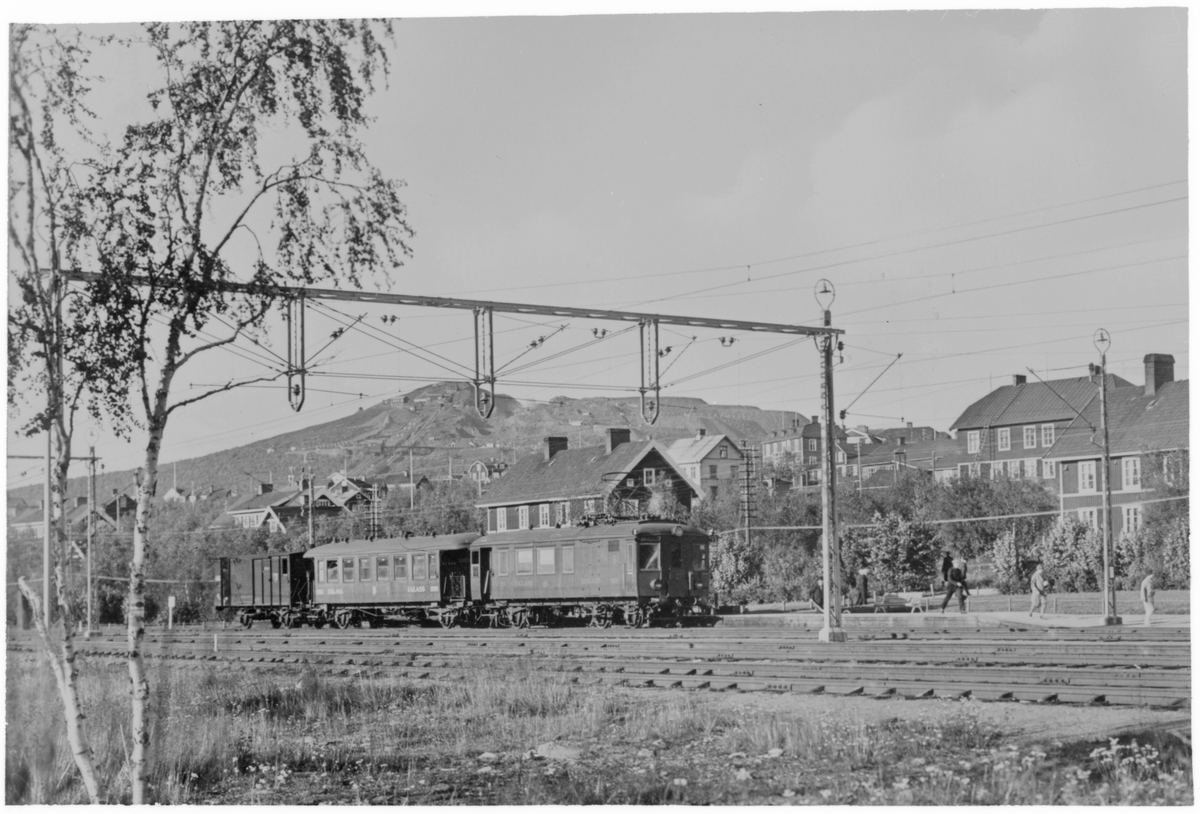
47	91
248	170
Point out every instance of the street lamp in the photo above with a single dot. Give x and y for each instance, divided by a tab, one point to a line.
1102	341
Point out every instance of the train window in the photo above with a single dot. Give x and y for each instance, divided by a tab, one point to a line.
433	566
629	558
283	564
381	568
500	561
614	546
333	570
364	569
348	569
648	557
401	566
545	560
524	560
418	571
702	558
568	559
321	571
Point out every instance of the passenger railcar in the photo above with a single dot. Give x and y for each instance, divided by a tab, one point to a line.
635	573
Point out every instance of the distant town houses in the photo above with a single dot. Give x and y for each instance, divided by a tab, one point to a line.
708	461
559	486
1147	435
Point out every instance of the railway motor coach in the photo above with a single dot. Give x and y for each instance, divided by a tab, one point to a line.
634	573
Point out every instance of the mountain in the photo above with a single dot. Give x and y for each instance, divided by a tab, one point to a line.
441	426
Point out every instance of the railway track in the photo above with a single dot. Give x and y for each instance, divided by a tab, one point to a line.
988	664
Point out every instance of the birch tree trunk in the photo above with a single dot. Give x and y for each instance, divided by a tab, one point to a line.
62	664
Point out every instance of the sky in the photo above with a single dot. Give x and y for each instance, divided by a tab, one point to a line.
984	190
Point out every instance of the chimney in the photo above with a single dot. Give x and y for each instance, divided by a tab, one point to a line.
265	488
814	421
701	432
554	444
1160	370
1018	379
616	437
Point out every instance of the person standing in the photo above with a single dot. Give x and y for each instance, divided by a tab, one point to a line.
1148	597
956	581
817	596
947	564
860	597
1037	592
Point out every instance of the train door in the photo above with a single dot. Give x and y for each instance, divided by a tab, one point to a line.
226	582
258	585
284	589
674	571
300	577
481	573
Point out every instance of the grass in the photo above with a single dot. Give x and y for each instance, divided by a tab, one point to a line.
300	737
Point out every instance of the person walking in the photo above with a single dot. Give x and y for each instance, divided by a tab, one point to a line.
956	582
1037	592
1148	597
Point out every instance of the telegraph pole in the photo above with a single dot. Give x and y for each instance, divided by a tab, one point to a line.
91	511
832	630
1102	341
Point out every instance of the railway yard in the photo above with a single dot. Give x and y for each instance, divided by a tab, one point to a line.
979	658
924	709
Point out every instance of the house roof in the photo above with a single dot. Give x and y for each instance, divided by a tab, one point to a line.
571	473
948	453
693	450
1136	423
259	502
1033	402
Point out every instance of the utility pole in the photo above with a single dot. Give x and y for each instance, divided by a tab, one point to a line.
91	511
831	561
1102	342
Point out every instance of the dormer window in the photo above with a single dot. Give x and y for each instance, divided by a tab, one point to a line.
722	451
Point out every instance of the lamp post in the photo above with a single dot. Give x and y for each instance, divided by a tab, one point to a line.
831	631
1102	341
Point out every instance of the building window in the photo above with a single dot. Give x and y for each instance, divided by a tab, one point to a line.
1088	518
564	513
568	559
1131	473
545	560
1087	476
522	517
1031	467
733	472
812	444
1031	438
589	506
544	515
841	457
1048	469
502	519
1047	435
975	470
1003	439
973	442
1133	518
713	491
812	459
712	470
501	562
722	451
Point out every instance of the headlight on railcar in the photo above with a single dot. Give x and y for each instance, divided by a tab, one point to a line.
656	584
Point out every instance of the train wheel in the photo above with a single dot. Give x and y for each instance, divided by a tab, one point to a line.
448	620
343	619
634	618
245	620
520	619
